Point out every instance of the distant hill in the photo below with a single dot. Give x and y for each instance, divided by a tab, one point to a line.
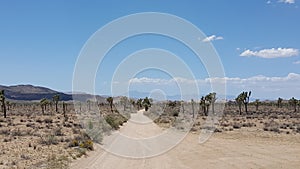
31	93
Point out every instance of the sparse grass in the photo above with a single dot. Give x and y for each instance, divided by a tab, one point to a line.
58	162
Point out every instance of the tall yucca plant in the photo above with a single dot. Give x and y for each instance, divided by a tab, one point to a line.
243	98
293	103
110	101
279	102
55	100
2	100
211	99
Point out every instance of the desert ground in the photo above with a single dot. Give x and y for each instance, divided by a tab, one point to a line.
264	138
244	148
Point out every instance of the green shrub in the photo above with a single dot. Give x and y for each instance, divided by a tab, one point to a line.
88	144
112	121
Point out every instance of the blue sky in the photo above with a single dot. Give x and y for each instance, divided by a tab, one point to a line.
257	41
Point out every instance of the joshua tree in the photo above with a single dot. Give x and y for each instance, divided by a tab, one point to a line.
193	110
279	102
55	100
2	100
211	98
182	106
244	98
80	106
124	101
110	101
64	110
203	105
239	101
43	104
257	103
132	102
293	103
139	103
88	105
146	103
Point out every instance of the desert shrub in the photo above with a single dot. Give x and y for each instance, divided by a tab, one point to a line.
236	126
82	141
58	132
81	152
175	113
5	132
39	121
6	139
74	143
75	131
16	132
283	126
48	120
88	144
22	120
61	162
217	130
96	135
49	140
248	124
30	125
112	122
274	129
115	120
25	157
68	125
77	125
271	126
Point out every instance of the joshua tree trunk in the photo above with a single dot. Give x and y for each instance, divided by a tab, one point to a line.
56	109
4	109
80	106
246	107
43	111
193	108
240	109
64	110
2	99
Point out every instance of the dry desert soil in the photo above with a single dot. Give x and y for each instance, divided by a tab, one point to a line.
243	148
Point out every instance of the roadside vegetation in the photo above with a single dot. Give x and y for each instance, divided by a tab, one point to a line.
51	133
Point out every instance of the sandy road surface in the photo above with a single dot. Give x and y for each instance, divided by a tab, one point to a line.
236	149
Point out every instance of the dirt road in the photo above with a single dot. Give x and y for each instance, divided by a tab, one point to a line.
234	149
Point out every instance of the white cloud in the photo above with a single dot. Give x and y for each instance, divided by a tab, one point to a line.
269	2
212	38
262	86
287	1
297	62
272	53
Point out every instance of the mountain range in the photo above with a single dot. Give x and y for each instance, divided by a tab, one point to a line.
33	93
